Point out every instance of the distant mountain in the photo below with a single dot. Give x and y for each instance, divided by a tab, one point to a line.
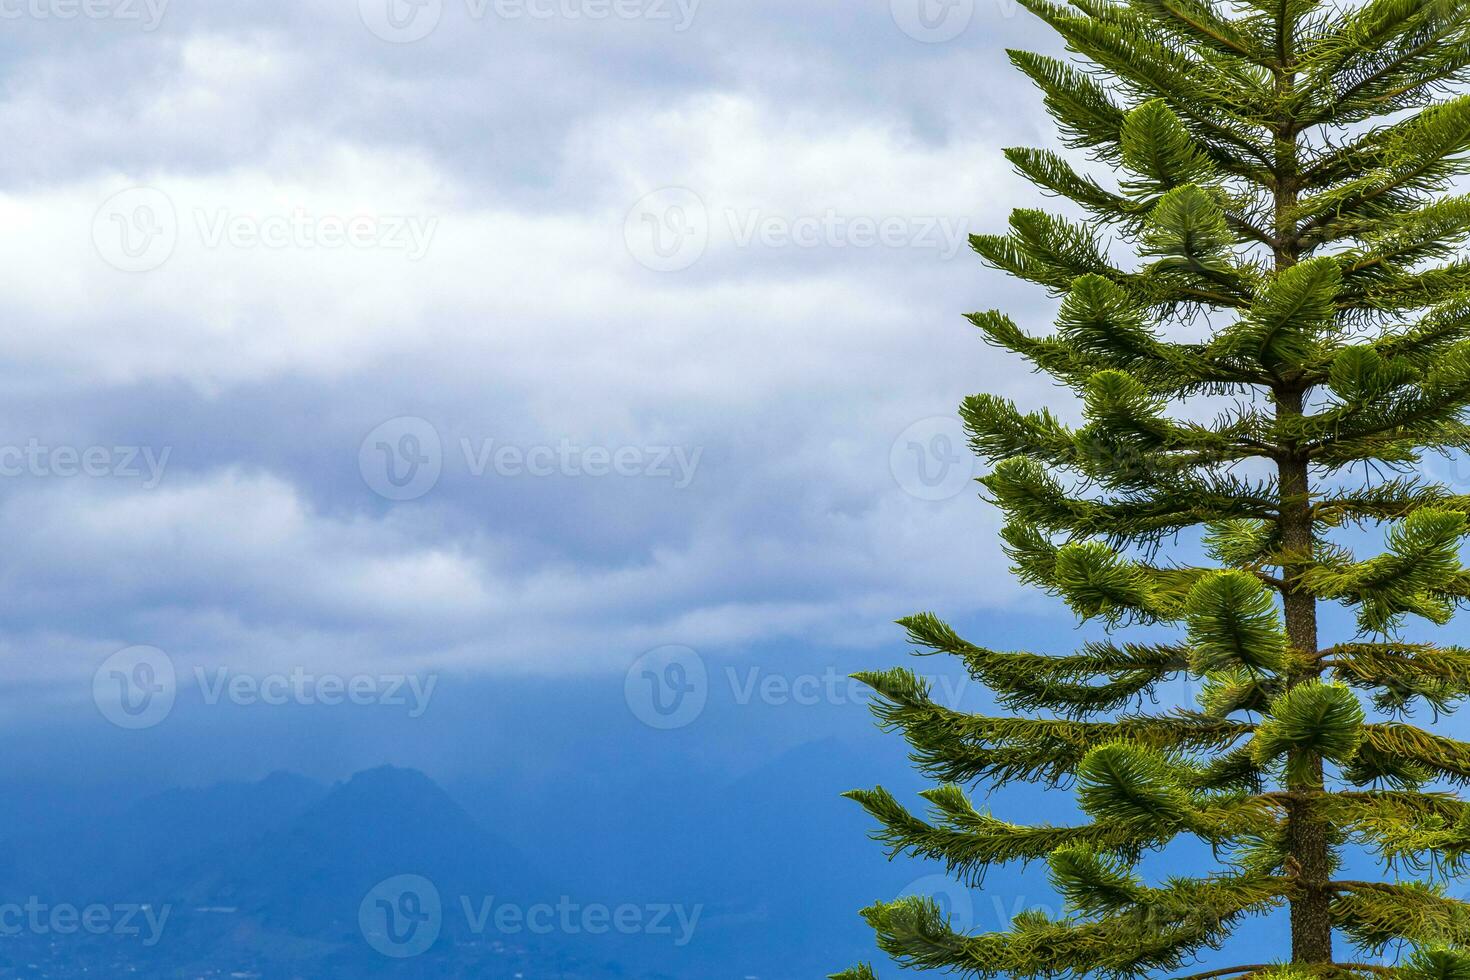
119	856
309	876
267	880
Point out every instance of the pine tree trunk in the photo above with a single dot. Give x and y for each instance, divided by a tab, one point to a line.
1309	856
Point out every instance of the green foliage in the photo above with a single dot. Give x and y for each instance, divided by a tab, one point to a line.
1288	320
1377	915
1423	555
1093	883
1131	785
1309	723
1233	622
1279	171
1159	150
1187	232
1438	964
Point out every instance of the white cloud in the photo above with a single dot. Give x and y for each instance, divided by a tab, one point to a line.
793	367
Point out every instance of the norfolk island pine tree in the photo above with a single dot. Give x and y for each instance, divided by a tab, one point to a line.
1283	173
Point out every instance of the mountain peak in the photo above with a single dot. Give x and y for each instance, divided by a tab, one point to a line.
391	788
390	775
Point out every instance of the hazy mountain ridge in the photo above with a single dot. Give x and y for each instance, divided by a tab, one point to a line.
262	877
266	878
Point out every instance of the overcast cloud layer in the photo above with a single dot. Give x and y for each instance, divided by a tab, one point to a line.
567	329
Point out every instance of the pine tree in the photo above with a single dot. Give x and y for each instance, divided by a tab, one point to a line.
1254	398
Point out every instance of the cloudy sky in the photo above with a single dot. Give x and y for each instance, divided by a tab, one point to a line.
589	365
504	336
516	335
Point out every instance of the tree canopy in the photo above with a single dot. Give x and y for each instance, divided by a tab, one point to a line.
1257	390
